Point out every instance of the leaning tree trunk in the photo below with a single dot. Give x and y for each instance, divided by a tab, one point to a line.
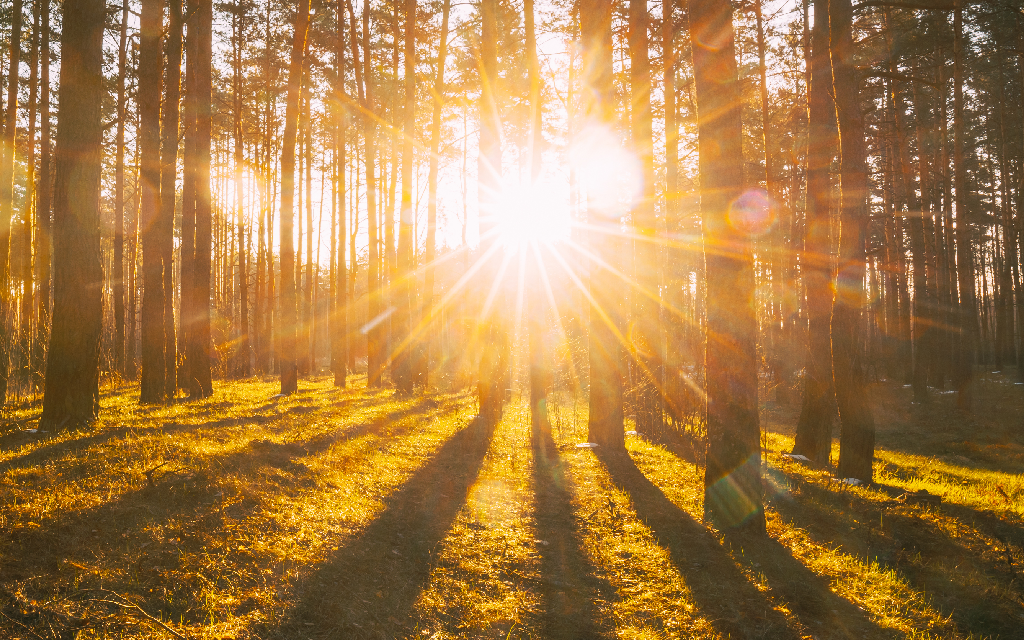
154	297
605	424
814	428
732	480
857	439
72	393
286	326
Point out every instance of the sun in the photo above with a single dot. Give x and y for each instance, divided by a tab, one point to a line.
535	214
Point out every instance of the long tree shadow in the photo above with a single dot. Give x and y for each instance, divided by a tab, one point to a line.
569	588
87	438
369	587
933	559
730	602
195	499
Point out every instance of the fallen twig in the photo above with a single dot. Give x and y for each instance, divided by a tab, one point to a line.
149	474
128	604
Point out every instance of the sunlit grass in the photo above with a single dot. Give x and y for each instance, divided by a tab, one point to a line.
360	514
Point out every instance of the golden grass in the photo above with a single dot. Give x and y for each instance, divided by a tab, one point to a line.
337	514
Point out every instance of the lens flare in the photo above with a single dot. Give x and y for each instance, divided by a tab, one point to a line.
751	213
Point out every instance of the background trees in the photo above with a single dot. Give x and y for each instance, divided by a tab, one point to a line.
863	223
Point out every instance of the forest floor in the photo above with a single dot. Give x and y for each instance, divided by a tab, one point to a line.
349	514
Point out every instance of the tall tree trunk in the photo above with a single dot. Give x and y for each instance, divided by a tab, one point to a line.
43	200
605	424
7	154
964	258
72	394
244	349
857	439
646	338
199	52
732	480
536	290
814	429
672	359
402	343
152	387
339	301
494	340
286	325
170	116
27	306
435	146
122	64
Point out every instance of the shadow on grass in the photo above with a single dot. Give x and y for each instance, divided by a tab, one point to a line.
934	560
723	594
189	506
369	587
89	438
569	589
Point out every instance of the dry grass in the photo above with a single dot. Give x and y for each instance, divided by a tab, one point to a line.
333	514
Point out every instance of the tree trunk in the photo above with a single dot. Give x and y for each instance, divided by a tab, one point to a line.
72	394
537	289
339	301
199	51
494	360
43	200
154	298
402	350
286	325
244	349
170	117
435	145
857	439
7	154
964	257
732	480
119	328
814	429
27	306
646	337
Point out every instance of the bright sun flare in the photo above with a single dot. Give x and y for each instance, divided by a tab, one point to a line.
532	214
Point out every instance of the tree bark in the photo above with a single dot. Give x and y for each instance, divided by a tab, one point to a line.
7	154
732	481
71	398
494	339
435	145
170	116
199	51
964	257
43	224
646	336
244	349
402	351
814	428
857	438
287	323
152	385
536	291
339	300
122	64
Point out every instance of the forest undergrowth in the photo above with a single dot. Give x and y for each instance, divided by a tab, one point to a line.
355	513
